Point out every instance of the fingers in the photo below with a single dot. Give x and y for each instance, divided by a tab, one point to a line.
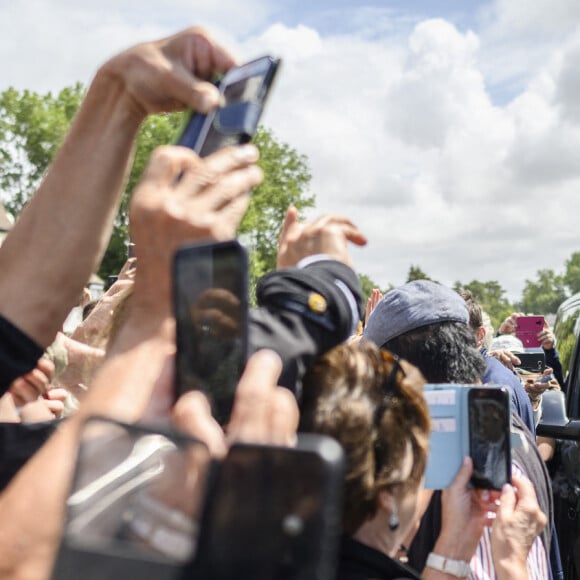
526	496
167	163
192	415
221	177
257	399
290	219
196	58
46	367
507	502
355	236
27	388
128	270
375	297
284	418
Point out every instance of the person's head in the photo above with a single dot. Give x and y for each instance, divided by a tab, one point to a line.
427	324
475	317
373	405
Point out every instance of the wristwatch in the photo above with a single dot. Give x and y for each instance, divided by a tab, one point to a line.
459	568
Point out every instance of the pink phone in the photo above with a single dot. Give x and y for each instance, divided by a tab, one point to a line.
527	330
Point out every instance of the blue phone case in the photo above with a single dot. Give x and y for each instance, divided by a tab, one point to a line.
449	441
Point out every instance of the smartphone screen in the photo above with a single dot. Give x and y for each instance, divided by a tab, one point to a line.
211	310
234	122
489	437
274	512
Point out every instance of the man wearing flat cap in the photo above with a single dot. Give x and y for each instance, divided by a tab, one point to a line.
426	323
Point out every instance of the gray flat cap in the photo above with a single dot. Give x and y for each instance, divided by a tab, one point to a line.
412	306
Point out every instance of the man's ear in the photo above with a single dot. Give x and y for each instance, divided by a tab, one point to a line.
480	336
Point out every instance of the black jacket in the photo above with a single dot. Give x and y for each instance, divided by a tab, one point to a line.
360	562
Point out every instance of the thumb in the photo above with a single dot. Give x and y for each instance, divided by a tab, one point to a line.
464	474
289	220
507	501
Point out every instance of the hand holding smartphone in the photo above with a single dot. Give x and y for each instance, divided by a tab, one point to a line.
527	330
210	290
469	420
243	90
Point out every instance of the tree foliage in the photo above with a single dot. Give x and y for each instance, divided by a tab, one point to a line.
491	296
415	273
367	285
32	127
286	180
572	273
545	294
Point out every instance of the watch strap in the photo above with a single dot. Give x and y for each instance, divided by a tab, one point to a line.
458	568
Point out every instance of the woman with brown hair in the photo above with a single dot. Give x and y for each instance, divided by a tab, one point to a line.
373	404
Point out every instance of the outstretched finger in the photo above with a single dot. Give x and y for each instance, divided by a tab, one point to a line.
290	219
355	236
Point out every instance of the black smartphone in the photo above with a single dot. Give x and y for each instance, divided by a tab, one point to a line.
489	437
134	504
244	90
534	362
210	296
274	512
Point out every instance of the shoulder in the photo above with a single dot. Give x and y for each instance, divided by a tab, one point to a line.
360	562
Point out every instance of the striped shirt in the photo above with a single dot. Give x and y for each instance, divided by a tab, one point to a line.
482	561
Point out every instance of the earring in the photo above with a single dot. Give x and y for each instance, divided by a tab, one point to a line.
393	521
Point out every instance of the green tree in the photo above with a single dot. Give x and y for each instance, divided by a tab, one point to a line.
572	274
544	295
367	285
33	125
286	180
415	273
155	131
491	297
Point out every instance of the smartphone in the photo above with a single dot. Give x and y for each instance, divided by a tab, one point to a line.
110	281
527	330
534	362
460	427
489	437
244	90
274	512
210	296
134	504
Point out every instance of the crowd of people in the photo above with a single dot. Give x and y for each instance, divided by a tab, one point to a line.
308	371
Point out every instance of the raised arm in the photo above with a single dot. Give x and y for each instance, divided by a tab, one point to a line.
136	378
64	230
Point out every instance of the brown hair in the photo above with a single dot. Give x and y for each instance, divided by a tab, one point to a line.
373	405
474	309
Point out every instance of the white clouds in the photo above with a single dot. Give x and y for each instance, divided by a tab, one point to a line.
411	147
401	136
537	19
567	79
48	44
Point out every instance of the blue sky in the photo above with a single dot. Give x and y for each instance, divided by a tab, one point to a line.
448	130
